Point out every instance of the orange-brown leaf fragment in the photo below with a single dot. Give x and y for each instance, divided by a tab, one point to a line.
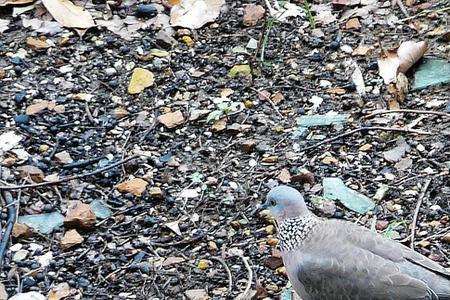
79	215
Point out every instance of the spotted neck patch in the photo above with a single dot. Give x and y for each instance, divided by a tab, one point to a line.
293	231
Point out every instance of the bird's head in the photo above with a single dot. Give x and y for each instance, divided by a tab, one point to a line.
285	202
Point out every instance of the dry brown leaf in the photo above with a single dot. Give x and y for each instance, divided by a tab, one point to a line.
194	14
60	291
36	108
353	23
135	186
68	14
393	61
32	172
284	176
36	43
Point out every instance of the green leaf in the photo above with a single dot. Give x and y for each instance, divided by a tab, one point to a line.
243	70
213	115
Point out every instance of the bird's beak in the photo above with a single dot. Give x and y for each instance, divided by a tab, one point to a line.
261	208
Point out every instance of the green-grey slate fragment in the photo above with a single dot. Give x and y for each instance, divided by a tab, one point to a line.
431	73
321	120
287	294
43	223
335	189
100	210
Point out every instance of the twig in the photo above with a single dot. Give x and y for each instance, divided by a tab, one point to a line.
9	225
68	178
244	295
422	13
402	8
416	211
414	111
179	243
268	100
327	141
230	278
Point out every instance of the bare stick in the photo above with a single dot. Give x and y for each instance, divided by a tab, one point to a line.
327	141
230	278
68	178
414	111
244	295
403	8
268	100
4	241
416	211
179	243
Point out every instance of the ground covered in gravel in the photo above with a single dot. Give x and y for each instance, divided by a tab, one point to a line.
164	182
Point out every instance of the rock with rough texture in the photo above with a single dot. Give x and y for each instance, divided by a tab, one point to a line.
335	259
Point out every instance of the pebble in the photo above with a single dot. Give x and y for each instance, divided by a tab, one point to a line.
20	97
22	119
146	11
110	71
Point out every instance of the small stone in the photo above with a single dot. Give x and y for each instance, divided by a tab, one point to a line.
381	225
22	120
20	255
135	186
248	146
212	246
36	108
187	40
270	159
36	43
32	172
446	238
20	98
272	242
252	14
273	262
172	119
79	215
70	239
270	229
22	231
219	125
146	11
156	193
203	264
63	157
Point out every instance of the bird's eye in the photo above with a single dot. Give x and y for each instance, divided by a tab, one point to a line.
273	203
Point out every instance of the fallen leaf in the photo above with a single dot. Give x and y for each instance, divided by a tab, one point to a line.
174	226
22	231
60	291
36	108
45	27
396	154
353	23
9	140
173	260
14	2
219	125
194	14
3	293
32	172
70	239
135	186
243	70
189	193
361	51
80	215
252	14
37	44
400	60
198	294
358	79
284	176
63	157
172	119
4	25
68	14
140	79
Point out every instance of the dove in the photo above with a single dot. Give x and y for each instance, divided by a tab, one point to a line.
330	259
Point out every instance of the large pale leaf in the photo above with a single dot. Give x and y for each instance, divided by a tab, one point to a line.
195	13
68	14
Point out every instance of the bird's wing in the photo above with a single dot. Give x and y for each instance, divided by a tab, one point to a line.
371	241
342	271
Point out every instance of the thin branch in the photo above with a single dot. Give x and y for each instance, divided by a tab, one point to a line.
230	278
268	100
413	111
68	178
245	294
416	211
179	243
9	225
351	132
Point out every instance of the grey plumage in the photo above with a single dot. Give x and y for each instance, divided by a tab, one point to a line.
334	259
